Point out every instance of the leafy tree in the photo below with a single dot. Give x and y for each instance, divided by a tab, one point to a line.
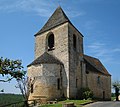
13	69
116	86
10	68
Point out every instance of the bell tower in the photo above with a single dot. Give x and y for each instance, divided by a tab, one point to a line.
59	38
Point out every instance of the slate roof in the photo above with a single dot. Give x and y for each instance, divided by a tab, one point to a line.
57	18
94	62
46	58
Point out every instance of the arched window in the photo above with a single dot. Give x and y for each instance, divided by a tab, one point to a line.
74	42
50	42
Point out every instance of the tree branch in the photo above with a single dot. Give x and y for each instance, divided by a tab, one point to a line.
6	80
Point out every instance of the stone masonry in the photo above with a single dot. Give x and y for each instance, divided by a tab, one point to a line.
60	68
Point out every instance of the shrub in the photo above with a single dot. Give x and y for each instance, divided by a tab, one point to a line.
86	93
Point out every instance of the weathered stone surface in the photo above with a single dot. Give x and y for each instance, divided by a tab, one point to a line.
73	70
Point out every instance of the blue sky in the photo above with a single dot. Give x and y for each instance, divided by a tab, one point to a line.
97	20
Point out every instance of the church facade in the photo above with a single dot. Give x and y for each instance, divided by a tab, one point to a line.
60	68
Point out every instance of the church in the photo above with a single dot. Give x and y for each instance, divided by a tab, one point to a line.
60	68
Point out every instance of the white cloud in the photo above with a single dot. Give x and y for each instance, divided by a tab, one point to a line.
40	7
102	51
90	25
116	50
98	49
75	13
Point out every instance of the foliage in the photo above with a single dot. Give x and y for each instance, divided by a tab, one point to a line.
10	98
116	86
85	93
11	69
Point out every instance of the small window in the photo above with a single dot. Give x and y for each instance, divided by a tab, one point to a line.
50	42
74	42
58	83
31	88
76	83
98	79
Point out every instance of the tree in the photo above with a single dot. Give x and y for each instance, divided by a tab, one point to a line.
24	84
13	69
10	68
116	86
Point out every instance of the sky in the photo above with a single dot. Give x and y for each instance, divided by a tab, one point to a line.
97	20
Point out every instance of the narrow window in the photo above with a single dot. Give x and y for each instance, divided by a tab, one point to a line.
76	83
74	42
58	83
98	79
31	88
51	42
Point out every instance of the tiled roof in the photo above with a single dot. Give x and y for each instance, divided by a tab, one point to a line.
94	62
46	58
57	18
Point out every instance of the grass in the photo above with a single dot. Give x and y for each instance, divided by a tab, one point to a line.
78	103
113	98
52	105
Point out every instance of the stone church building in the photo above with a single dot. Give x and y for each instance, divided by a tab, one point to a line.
60	68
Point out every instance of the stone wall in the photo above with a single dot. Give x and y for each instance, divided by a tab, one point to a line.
75	59
61	47
45	84
101	87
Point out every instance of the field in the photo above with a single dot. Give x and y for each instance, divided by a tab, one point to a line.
10	98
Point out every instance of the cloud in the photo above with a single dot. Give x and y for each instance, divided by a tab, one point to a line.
102	51
90	25
98	49
42	8
116	50
75	13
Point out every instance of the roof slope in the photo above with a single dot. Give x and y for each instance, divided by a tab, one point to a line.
46	58
57	18
96	64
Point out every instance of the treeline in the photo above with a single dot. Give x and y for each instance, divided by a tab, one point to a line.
10	98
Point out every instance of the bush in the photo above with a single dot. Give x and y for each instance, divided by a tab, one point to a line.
86	93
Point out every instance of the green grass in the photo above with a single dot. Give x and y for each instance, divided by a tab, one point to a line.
113	98
60	103
52	105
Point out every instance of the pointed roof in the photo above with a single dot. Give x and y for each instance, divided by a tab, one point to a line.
94	62
57	18
46	58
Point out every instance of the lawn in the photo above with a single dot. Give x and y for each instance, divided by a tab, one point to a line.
78	103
